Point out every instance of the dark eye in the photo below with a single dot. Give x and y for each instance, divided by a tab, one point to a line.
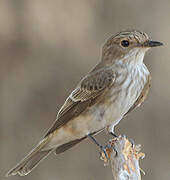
125	43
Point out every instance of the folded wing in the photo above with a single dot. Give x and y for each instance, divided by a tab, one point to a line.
86	93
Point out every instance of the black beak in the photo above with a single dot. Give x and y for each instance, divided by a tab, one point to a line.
152	44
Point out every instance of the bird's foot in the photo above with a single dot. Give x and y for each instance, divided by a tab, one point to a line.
104	150
113	134
107	151
116	153
132	142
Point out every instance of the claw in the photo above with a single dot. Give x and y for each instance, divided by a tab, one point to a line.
103	149
115	151
132	142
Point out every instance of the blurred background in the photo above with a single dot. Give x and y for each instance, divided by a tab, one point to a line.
45	49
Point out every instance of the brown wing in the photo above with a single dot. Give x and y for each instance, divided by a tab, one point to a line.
89	89
142	96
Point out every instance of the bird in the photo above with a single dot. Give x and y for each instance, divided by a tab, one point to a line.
118	84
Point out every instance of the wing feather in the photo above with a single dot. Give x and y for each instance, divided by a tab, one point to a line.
88	90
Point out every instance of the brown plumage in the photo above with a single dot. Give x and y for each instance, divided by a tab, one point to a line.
114	87
87	92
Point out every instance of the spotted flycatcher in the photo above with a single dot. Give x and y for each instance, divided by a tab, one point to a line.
114	87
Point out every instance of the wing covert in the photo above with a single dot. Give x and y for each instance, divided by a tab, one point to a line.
88	90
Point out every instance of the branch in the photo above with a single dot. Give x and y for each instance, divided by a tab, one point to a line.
124	158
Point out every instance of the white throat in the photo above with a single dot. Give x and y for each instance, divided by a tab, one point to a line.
133	58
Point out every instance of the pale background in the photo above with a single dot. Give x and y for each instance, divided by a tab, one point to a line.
45	48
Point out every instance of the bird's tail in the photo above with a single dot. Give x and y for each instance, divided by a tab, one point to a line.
26	165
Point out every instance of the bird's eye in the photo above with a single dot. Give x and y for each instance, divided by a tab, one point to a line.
125	43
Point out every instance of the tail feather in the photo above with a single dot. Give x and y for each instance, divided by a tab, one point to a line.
30	161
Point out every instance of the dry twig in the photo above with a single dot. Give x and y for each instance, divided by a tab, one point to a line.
124	158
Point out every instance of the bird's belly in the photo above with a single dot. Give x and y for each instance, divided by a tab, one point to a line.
119	104
79	127
108	112
119	100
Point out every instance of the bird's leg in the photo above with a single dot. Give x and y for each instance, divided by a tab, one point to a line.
99	145
113	134
110	129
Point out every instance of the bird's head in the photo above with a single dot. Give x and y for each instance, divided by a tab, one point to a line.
127	46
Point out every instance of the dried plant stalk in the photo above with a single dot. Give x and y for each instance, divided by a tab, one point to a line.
124	158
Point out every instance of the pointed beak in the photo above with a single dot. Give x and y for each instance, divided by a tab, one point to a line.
152	44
